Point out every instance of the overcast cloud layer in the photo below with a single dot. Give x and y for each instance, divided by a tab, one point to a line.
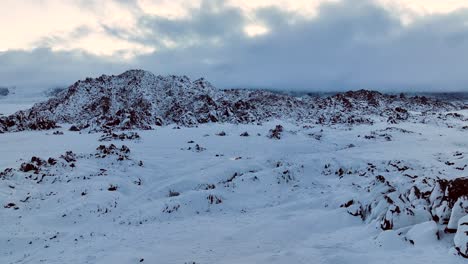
346	45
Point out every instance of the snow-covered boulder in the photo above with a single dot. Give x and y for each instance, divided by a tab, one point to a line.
461	237
445	196
423	233
460	209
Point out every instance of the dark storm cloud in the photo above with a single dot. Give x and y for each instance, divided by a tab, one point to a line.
349	45
44	68
212	20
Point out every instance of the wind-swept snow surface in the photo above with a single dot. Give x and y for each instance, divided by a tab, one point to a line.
207	194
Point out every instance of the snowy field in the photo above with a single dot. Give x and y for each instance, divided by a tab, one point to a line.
191	195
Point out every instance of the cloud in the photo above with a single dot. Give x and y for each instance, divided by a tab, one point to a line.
349	45
346	45
43	68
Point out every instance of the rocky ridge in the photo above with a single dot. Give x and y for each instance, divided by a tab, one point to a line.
138	99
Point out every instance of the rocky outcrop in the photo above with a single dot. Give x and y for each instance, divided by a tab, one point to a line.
395	197
25	120
448	201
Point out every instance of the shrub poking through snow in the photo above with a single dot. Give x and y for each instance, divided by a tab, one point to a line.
276	132
69	156
213	199
197	148
171	209
122	152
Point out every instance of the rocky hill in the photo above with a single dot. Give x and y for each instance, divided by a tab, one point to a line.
138	99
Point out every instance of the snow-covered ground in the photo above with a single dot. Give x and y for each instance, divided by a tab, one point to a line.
189	195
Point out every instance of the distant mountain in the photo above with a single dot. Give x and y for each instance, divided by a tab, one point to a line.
138	99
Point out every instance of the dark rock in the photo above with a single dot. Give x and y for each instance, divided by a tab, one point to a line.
173	193
121	136
27	167
74	128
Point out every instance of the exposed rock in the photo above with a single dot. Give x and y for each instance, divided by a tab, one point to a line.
122	152
122	136
21	121
74	129
444	196
244	134
27	167
173	193
221	134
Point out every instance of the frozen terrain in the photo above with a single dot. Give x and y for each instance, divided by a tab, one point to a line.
277	190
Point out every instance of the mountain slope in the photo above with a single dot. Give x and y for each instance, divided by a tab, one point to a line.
139	99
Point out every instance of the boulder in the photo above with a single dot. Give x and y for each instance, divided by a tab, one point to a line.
459	210
461	237
423	233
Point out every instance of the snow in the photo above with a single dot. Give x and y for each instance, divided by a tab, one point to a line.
248	177
423	234
265	215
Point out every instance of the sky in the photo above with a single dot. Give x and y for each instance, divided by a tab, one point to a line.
308	45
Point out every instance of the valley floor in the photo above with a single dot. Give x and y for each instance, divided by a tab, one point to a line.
231	199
